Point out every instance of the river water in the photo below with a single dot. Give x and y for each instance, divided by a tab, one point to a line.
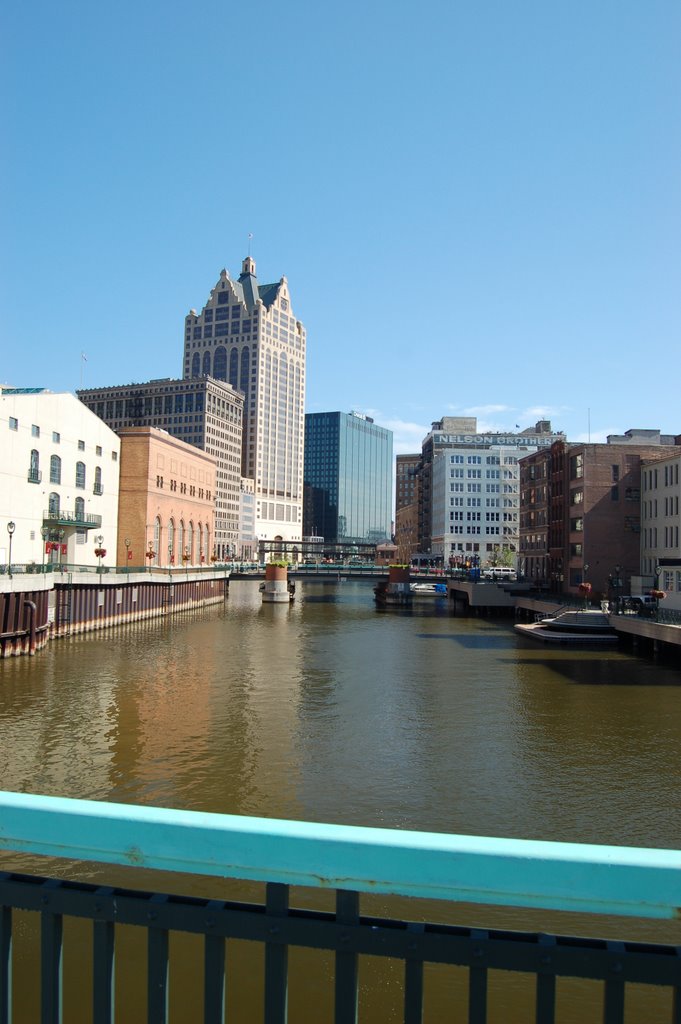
329	710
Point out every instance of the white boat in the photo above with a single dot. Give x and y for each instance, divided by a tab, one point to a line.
429	589
571	627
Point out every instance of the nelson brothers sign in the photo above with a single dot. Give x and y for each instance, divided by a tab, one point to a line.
485	440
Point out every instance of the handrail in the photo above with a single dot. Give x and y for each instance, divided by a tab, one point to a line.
472	869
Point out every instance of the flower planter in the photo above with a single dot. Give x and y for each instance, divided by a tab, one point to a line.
276	572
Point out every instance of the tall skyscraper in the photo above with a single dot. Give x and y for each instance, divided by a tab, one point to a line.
348	478
247	334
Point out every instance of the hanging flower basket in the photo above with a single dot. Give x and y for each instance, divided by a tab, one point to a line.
149	554
657	595
185	558
100	552
585	588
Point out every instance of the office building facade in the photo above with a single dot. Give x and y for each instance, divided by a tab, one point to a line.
247	335
469	490
204	412
348	479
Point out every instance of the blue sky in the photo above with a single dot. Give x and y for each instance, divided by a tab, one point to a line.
477	206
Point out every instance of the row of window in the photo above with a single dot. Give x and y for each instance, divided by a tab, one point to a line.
34	474
56	437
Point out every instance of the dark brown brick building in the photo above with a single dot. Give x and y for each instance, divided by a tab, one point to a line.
580	515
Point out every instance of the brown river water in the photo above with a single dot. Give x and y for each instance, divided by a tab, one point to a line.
331	711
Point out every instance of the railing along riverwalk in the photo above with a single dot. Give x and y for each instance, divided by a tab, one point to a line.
350	860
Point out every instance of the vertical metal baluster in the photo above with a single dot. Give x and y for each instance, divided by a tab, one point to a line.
413	982
157	979
213	970
102	972
613	1008
276	957
477	980
546	984
346	987
51	941
5	965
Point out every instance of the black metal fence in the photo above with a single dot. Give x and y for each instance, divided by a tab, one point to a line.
277	927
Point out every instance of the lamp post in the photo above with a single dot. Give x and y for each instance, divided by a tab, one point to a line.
127	551
61	534
170	564
11	527
150	554
99	551
44	533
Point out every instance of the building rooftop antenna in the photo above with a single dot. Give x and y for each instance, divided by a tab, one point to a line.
250	236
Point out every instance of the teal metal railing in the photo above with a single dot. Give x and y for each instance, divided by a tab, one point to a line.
641	883
472	869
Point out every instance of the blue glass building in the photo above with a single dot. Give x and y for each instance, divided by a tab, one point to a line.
347	479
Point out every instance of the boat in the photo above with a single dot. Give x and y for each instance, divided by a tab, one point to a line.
588	626
429	589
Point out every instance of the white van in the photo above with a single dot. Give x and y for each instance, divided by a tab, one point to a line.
499	572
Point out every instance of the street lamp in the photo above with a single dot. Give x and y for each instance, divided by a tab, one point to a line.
61	534
11	527
100	552
127	551
170	564
44	533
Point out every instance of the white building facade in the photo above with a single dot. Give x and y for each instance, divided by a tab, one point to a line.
475	503
661	527
476	493
248	335
59	479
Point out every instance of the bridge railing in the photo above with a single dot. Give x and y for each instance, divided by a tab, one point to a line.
350	861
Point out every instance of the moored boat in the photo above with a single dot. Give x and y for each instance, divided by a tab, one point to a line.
587	626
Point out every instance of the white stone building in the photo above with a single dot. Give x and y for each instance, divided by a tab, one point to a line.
248	335
661	527
476	492
475	503
59	470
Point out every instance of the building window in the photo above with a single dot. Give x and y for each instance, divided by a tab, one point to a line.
98	489
577	467
34	468
114	456
53	504
80	474
35	430
81	446
55	470
56	437
80	510
98	450
13	423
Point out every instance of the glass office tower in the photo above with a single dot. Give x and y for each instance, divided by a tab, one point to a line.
348	478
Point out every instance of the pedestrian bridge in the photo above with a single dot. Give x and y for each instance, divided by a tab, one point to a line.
350	862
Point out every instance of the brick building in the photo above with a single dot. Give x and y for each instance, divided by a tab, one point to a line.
580	511
166	500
